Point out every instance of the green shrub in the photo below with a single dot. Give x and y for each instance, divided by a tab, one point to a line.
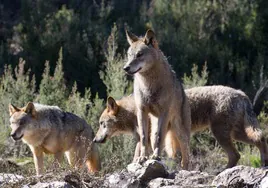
17	88
52	89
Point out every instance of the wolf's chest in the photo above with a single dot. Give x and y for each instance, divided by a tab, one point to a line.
148	99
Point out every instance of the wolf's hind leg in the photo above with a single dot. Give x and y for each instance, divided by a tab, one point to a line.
183	136
261	145
225	141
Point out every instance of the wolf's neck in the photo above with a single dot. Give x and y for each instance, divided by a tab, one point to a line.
158	73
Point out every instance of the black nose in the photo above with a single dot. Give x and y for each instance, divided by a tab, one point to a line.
126	68
12	135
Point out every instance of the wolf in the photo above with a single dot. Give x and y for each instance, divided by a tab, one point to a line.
227	112
50	130
157	94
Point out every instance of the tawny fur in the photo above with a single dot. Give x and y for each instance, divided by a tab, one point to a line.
158	96
226	111
48	129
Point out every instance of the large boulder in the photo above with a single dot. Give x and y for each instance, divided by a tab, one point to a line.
137	175
242	176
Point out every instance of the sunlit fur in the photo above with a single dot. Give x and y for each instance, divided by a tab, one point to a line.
157	94
48	129
224	110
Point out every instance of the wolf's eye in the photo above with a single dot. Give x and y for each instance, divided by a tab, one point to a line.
139	54
101	122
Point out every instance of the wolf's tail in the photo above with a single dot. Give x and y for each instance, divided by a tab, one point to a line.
251	124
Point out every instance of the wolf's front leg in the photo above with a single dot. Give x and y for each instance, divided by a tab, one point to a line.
159	130
142	116
137	152
38	160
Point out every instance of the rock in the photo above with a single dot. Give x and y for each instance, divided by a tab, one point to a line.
55	184
161	182
193	178
185	179
136	175
264	182
9	178
241	176
151	169
122	179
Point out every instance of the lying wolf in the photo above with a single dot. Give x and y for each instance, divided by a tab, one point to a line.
48	129
226	111
158	95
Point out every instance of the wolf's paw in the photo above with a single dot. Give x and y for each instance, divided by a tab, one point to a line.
155	157
141	159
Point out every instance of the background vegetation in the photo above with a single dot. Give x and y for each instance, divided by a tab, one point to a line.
70	53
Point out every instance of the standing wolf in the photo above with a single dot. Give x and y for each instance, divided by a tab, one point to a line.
226	111
157	94
48	129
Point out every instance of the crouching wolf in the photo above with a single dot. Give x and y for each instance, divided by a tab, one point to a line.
48	129
226	111
157	94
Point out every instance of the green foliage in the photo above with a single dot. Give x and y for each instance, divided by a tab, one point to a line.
114	76
85	107
77	104
95	111
17	88
115	79
250	156
53	89
195	79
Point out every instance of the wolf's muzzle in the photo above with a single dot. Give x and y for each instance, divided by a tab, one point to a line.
14	136
101	140
126	68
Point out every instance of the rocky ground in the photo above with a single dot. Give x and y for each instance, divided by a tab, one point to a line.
151	174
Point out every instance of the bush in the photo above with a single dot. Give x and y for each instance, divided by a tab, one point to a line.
17	88
119	149
52	89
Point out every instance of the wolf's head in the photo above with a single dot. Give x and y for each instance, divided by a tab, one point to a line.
115	119
21	119
142	53
108	121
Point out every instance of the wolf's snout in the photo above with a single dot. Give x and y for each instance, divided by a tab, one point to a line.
99	139
13	135
126	68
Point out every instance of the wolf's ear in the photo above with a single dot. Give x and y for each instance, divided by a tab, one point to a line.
149	39
131	37
30	109
13	109
112	106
